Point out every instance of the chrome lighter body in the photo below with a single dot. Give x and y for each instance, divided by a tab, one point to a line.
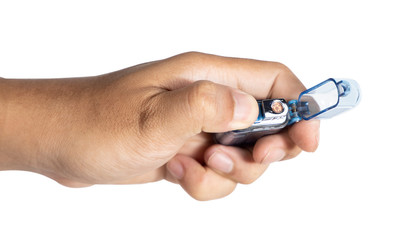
273	116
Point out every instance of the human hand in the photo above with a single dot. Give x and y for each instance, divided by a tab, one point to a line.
150	122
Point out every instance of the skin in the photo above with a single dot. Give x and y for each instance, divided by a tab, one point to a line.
150	122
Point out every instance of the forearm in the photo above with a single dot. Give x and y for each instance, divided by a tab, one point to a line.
29	109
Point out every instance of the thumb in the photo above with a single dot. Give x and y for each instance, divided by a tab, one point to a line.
203	106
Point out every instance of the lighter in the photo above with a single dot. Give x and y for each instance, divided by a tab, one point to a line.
325	100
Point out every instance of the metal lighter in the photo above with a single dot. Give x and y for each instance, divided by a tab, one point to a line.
325	100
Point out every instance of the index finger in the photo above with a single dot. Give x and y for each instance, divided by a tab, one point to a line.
261	79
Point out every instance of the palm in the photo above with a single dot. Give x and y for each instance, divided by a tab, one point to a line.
194	147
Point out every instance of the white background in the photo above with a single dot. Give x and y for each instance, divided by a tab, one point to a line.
356	186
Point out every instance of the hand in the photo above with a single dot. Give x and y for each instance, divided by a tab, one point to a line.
150	122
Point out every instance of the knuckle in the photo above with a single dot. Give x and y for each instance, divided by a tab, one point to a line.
204	97
248	180
200	195
293	153
210	103
207	189
204	194
193	63
281	67
251	175
191	60
200	192
192	56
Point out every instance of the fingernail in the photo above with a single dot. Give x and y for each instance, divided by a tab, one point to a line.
274	156
221	162
242	110
176	169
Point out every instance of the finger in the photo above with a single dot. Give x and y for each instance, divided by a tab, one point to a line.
275	148
306	134
286	85
202	183
201	106
234	163
252	76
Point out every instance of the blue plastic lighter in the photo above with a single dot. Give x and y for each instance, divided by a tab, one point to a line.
325	100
